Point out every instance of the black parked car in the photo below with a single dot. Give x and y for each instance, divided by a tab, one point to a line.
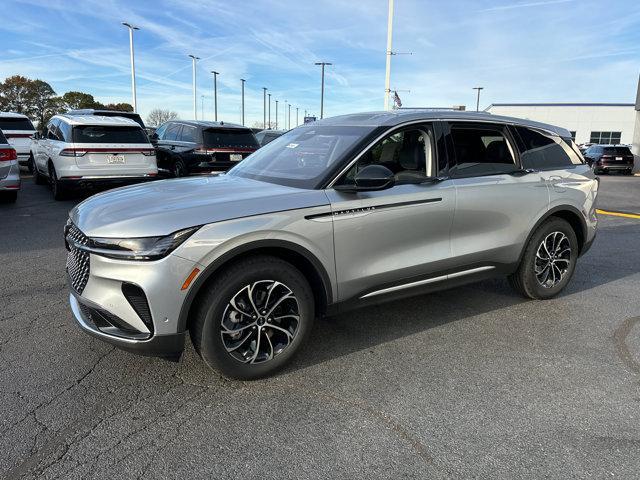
186	147
266	136
607	158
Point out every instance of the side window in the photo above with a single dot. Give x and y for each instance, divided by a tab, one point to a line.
160	130
409	154
189	134
543	151
52	130
173	132
65	132
481	150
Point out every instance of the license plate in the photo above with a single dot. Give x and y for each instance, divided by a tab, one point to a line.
235	157
115	159
618	158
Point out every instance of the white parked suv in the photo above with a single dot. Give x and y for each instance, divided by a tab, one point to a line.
18	130
85	151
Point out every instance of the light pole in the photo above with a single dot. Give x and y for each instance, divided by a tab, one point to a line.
276	114
478	98
289	115
297	123
193	67
215	95
202	107
269	111
264	107
133	64
242	80
284	114
322	87
387	77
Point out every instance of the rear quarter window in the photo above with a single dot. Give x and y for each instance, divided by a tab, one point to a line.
108	134
15	123
543	151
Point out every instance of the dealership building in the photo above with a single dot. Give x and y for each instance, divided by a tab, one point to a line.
588	122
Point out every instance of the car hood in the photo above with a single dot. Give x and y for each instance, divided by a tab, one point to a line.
165	206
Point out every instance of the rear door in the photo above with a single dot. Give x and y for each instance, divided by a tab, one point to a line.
497	202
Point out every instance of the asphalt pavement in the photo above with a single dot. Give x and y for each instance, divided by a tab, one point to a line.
473	382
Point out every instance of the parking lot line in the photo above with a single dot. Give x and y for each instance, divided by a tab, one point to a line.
619	214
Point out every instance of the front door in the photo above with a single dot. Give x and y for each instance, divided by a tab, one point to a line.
386	240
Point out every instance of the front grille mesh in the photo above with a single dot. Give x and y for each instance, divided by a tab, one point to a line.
77	260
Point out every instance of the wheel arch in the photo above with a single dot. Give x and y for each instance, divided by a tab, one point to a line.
298	256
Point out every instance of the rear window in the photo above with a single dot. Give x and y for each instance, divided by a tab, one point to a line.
9	123
107	134
132	116
616	151
229	138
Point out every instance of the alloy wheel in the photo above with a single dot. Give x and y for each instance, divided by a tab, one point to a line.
553	259
260	321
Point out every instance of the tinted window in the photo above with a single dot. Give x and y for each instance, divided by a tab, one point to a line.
161	129
173	132
64	131
52	130
302	157
132	116
189	134
481	150
11	123
108	134
229	138
616	151
542	151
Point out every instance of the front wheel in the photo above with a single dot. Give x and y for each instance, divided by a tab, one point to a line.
548	262
253	318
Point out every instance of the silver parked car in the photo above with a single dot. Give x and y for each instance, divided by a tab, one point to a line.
9	171
340	213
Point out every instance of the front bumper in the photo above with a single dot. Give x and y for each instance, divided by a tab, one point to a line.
170	345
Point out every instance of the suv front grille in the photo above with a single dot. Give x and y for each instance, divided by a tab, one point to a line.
77	260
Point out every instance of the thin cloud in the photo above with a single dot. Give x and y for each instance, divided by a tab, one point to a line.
525	5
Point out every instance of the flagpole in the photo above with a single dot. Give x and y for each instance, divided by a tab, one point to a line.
387	80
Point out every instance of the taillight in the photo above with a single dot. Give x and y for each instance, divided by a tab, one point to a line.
72	152
8	154
148	152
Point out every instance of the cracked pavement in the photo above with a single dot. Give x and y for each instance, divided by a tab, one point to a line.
470	382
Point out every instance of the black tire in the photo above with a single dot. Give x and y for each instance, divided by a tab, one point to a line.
8	197
629	172
178	169
38	178
214	308
31	164
525	281
59	191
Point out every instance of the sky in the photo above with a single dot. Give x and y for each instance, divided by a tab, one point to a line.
519	51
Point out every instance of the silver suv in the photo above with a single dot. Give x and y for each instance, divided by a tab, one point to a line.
339	213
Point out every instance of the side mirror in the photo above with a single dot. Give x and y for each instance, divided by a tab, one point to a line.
370	178
36	136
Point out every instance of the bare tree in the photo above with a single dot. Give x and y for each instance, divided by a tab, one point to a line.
158	116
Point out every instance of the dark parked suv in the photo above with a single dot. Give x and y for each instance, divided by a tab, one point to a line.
607	158
184	147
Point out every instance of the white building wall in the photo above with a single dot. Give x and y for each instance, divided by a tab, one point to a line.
583	119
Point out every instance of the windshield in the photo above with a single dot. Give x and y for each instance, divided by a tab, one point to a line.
301	157
100	134
229	138
15	123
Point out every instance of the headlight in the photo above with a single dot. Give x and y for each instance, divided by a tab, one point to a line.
144	248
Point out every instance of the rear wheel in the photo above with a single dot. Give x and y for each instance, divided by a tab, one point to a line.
253	318
59	191
179	170
548	262
629	172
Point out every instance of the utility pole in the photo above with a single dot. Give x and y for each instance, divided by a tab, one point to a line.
264	107
133	64
242	80
195	95
322	64
387	78
269	111
478	98
276	114
215	95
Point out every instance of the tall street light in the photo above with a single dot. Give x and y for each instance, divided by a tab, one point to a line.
289	117
133	64
276	114
215	95
202	107
478	99
242	80
297	123
193	67
322	64
264	107
387	77
269	111
284	114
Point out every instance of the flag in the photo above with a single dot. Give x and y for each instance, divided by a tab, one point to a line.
397	103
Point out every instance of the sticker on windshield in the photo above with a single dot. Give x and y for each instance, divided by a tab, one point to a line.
293	145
